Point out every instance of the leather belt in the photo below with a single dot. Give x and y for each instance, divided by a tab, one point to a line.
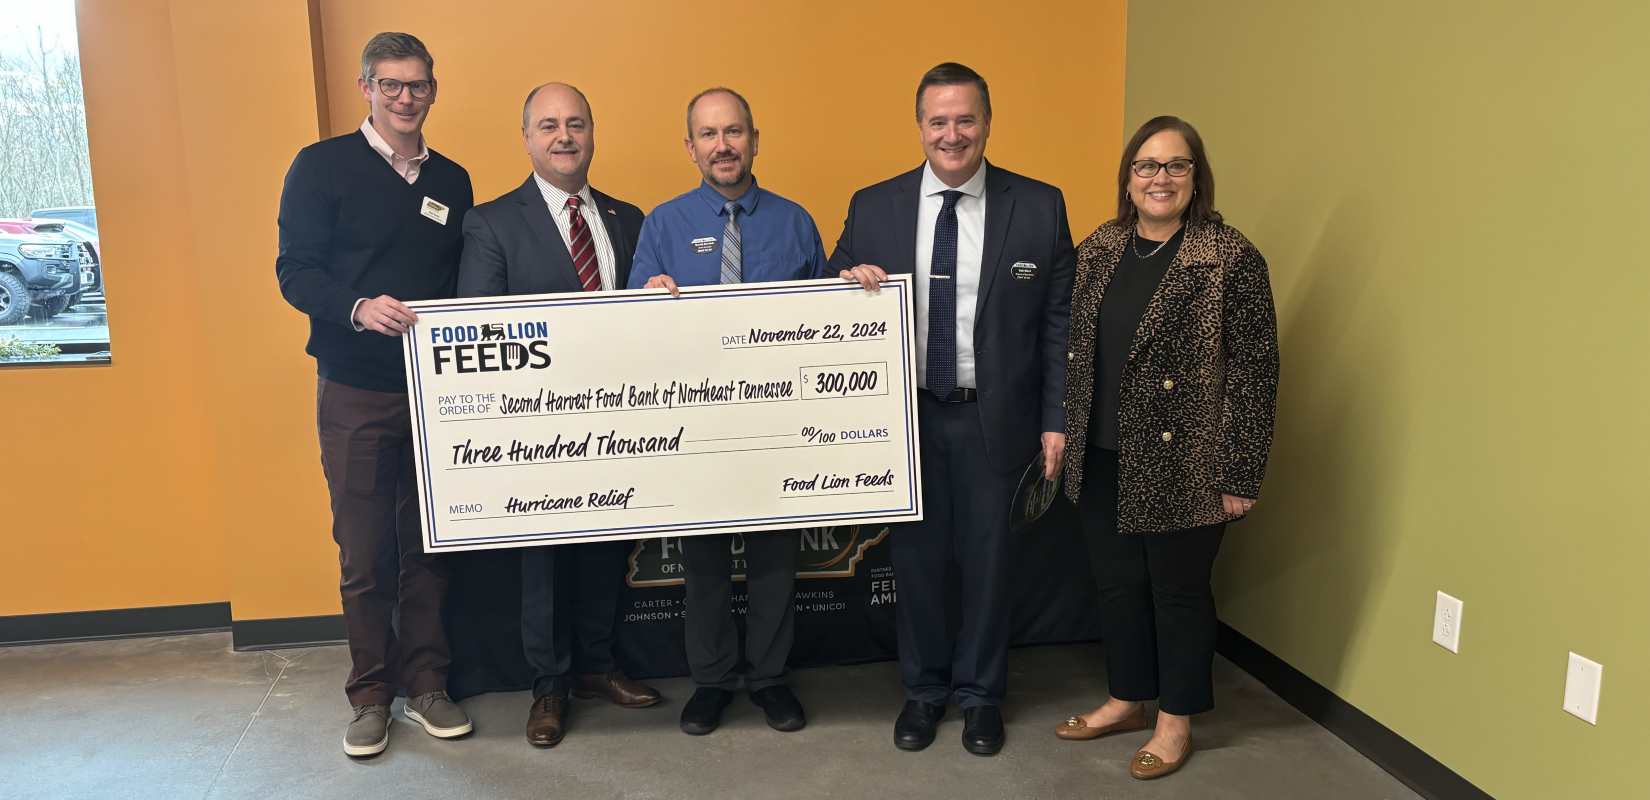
957	395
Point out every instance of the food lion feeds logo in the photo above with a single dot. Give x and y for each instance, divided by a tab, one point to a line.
831	552
492	347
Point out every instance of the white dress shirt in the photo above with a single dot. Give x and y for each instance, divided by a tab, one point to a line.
407	168
556	199
970	249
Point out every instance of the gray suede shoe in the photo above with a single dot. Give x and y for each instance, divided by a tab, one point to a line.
440	716
369	734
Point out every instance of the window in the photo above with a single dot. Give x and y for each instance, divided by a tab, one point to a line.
52	306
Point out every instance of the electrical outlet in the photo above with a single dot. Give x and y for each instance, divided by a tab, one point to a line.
1581	686
1446	623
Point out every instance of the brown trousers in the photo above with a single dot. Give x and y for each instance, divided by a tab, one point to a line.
392	590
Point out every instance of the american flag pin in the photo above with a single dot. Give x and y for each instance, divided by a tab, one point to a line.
614	213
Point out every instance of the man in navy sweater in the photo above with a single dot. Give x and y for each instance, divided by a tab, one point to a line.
367	220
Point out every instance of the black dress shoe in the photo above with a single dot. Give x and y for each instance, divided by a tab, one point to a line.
783	710
983	730
703	712
917	724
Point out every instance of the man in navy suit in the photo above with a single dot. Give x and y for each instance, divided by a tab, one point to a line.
992	260
556	234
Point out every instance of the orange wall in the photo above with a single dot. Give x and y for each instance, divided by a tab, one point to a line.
832	86
111	499
237	146
204	480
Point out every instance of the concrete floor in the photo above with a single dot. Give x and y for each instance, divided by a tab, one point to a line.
186	717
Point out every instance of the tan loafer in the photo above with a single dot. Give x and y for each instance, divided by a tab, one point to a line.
1148	765
1076	728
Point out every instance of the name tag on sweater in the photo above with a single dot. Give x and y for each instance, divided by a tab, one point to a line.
434	210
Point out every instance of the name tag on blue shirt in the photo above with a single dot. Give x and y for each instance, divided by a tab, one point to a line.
682	237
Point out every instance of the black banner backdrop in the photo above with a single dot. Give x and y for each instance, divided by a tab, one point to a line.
845	595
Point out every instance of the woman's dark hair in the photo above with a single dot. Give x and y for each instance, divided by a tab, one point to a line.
1202	208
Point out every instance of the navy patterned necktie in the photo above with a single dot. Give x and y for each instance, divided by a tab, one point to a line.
942	301
732	269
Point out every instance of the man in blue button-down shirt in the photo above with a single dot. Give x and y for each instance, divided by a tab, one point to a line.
683	240
729	230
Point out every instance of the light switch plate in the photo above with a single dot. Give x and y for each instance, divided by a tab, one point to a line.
1581	685
1446	623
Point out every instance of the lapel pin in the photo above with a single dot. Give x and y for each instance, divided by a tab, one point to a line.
614	213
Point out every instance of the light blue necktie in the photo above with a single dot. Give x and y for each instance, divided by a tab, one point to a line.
731	272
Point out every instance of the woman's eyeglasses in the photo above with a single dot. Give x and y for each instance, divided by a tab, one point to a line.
1146	168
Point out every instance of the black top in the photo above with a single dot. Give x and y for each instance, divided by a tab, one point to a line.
1123	305
351	227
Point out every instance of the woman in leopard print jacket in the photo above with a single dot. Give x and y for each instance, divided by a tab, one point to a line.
1171	384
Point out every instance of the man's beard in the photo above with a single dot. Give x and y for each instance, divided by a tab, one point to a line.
738	175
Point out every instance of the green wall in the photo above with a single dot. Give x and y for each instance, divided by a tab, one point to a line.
1455	202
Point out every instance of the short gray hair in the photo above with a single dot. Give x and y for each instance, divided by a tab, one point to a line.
393	47
526	105
750	121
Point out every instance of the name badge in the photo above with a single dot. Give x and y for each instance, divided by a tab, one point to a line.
1023	270
434	210
703	245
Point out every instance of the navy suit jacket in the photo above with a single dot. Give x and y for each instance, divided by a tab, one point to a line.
512	245
1021	315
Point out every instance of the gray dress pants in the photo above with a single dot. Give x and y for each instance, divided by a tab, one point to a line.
770	623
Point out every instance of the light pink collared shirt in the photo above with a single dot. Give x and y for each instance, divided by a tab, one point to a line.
407	167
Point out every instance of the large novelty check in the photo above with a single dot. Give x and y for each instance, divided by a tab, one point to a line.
616	415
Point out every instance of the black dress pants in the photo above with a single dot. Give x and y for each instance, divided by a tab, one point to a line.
965	521
770	617
1157	611
569	605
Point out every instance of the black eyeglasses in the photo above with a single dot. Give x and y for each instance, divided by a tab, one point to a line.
419	89
1147	168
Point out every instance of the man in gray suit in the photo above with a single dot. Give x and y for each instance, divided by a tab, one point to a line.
556	234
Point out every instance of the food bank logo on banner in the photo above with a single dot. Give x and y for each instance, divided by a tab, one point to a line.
832	552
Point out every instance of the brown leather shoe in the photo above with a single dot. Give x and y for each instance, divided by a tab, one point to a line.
616	689
1148	765
1076	728
547	722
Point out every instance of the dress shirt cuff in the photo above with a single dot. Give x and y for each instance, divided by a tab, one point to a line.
356	323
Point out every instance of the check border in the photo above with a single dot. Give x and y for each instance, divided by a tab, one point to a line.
412	344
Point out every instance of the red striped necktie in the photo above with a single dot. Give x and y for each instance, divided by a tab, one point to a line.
582	247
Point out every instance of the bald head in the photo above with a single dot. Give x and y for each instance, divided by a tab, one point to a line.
527	105
557	129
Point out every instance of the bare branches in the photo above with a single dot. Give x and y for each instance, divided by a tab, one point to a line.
44	158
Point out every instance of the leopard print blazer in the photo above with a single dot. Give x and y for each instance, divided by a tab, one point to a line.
1200	386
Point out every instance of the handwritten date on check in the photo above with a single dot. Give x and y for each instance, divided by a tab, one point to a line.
548	419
